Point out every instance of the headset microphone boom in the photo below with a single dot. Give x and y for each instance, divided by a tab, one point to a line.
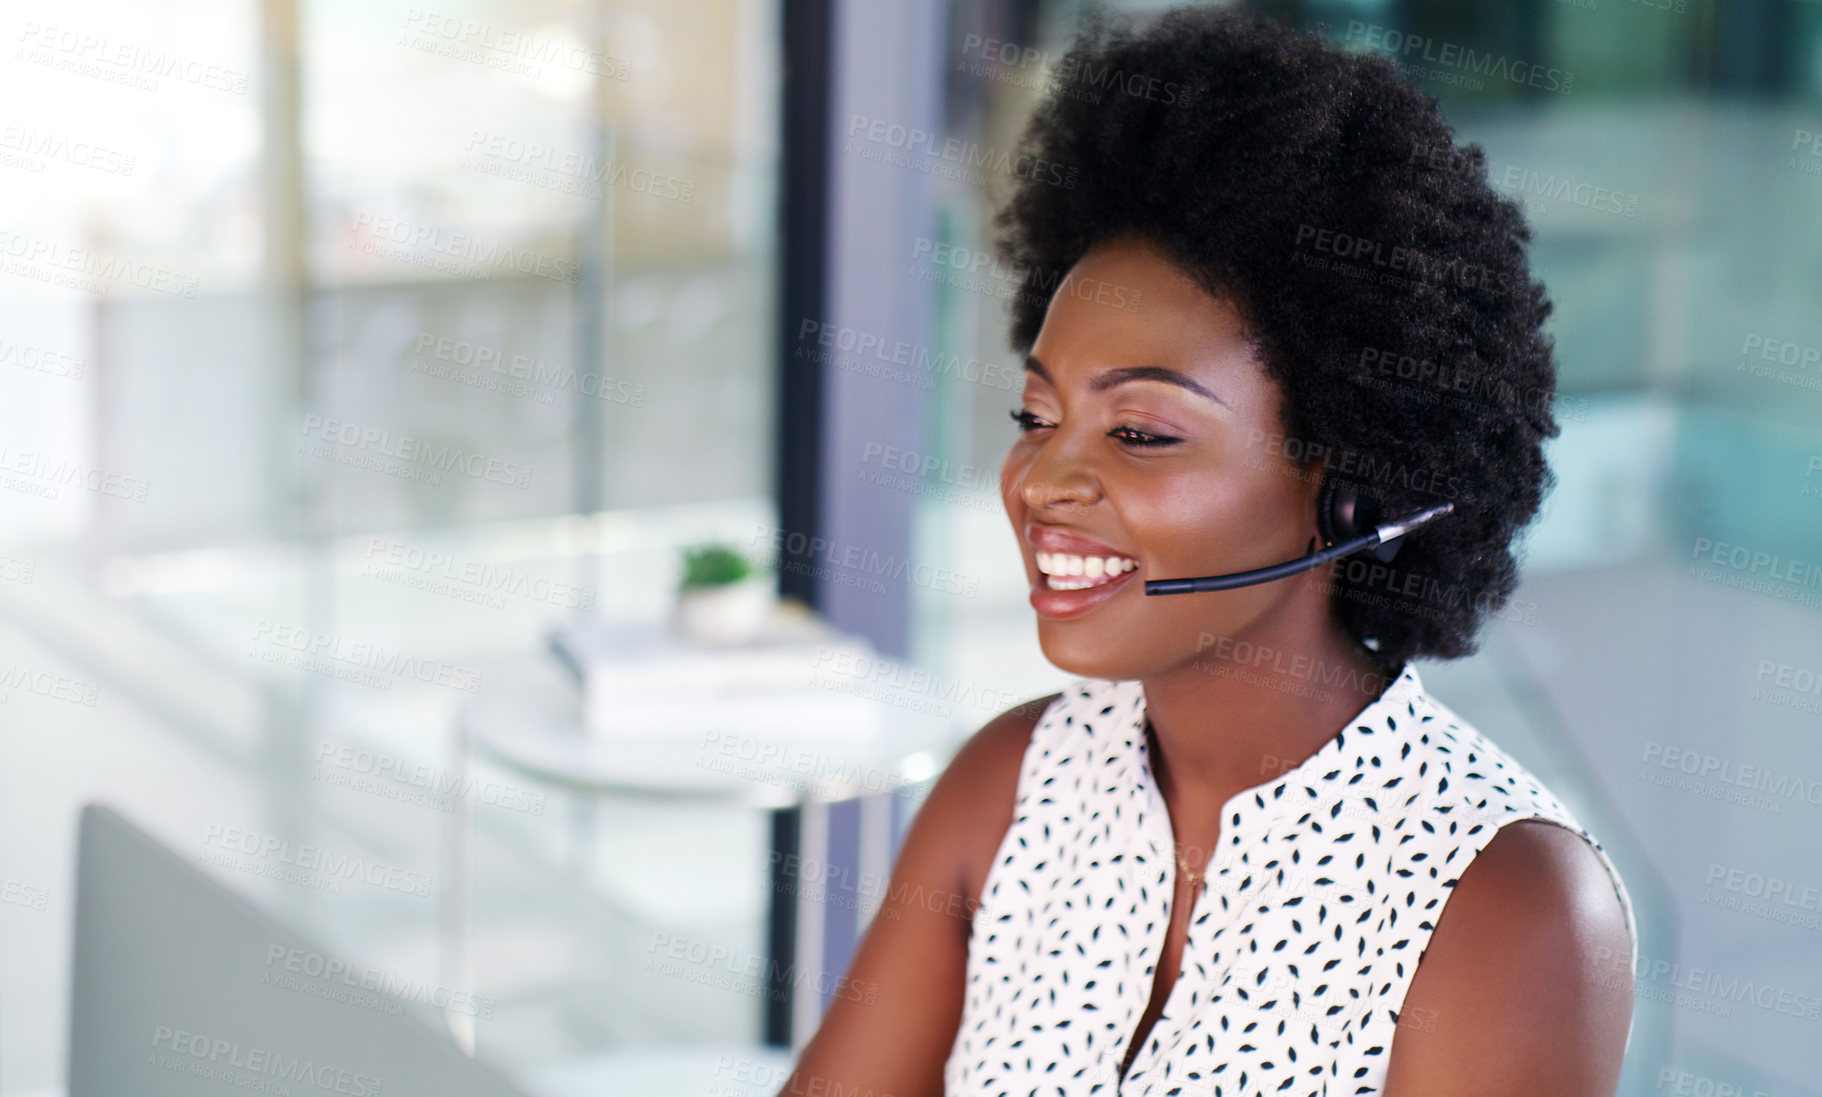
1344	514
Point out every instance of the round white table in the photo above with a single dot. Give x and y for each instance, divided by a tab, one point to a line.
744	751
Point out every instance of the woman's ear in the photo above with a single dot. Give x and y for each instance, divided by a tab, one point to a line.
1314	478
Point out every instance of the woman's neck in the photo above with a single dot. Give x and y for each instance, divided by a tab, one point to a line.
1241	713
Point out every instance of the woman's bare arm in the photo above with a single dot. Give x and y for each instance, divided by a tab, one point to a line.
890	1029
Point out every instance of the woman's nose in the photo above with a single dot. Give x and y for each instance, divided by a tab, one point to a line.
1055	476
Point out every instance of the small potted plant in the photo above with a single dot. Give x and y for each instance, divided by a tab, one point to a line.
722	598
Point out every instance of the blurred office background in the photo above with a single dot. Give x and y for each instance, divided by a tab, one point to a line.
642	264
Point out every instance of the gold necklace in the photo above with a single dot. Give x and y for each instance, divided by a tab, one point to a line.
1194	877
1189	874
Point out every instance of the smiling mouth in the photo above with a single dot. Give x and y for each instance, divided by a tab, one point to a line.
1065	571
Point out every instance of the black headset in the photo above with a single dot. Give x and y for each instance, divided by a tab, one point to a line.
1349	520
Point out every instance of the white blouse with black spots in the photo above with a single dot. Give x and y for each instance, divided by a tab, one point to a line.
1321	896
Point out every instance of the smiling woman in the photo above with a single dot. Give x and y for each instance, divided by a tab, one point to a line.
1151	420
1245	851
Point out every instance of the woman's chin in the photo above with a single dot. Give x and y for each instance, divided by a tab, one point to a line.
1085	655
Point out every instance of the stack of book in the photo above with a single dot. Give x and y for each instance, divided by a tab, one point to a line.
799	678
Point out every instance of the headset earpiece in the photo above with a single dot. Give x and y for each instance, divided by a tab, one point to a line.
1345	512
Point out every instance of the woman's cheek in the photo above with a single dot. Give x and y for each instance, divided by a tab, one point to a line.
1190	523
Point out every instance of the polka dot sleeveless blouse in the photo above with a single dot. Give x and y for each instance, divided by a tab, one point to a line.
1321	896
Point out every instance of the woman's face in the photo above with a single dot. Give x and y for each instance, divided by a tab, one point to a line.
1153	435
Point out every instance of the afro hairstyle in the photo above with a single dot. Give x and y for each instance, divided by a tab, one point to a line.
1382	281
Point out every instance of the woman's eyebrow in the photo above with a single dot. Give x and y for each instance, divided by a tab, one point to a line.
1112	378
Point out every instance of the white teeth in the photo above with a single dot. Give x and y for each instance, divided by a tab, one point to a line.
1064	571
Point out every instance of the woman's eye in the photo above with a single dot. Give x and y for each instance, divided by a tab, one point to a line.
1131	436
1140	438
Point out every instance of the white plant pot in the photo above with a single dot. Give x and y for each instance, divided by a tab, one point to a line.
731	613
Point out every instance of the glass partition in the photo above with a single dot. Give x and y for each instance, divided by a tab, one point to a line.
347	348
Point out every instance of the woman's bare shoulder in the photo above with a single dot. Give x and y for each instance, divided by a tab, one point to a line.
995	751
978	791
910	972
